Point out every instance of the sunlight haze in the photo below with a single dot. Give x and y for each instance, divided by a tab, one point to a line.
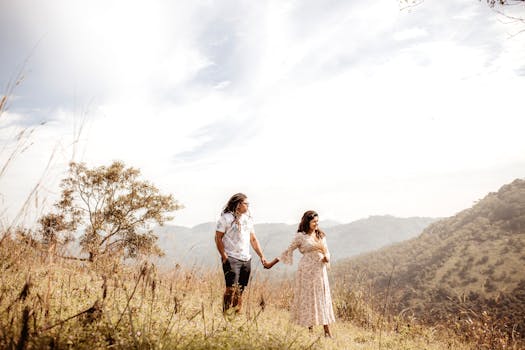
348	108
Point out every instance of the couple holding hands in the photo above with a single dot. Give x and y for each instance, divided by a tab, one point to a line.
312	302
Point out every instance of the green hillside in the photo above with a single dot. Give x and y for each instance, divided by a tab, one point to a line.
469	265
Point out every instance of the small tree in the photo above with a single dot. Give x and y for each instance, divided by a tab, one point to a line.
55	232
114	208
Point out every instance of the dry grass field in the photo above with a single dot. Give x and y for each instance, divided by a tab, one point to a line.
73	305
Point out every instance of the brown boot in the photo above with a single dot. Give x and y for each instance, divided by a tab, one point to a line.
228	299
327	332
237	301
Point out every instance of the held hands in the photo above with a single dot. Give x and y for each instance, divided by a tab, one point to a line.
269	265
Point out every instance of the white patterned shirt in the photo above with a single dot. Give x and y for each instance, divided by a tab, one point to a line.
236	237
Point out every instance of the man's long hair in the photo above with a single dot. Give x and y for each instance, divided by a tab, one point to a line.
233	203
304	226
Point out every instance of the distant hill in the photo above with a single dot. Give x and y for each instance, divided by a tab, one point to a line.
473	260
372	233
196	245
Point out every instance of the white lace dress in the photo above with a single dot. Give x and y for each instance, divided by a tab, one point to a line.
312	302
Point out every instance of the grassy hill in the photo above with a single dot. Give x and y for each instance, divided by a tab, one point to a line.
52	303
469	265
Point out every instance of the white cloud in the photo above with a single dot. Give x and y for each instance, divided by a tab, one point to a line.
353	109
411	33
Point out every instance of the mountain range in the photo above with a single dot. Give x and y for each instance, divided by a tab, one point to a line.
196	245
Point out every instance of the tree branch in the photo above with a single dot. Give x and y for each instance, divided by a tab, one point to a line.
72	258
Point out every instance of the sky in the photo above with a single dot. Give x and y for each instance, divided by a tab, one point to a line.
349	108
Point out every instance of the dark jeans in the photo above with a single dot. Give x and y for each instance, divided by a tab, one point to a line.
236	272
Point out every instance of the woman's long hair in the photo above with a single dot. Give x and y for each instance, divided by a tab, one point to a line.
233	203
304	226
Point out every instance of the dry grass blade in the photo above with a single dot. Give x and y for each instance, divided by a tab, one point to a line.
92	314
24	333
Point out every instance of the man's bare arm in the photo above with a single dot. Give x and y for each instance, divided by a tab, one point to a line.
256	246
220	245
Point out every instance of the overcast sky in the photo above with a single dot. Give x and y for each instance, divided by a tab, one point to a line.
350	108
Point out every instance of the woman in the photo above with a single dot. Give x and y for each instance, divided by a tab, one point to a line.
312	302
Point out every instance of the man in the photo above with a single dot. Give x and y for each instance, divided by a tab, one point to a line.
233	237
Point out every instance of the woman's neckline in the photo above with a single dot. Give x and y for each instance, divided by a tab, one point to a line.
313	235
